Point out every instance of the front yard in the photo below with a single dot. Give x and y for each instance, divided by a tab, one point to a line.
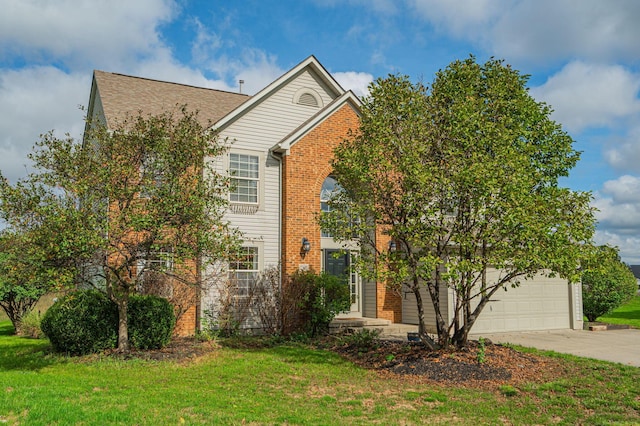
287	383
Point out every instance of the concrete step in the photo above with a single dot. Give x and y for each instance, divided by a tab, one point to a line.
387	329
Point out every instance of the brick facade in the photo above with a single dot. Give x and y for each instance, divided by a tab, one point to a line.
305	168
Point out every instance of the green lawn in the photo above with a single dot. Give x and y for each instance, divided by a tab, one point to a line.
629	314
287	384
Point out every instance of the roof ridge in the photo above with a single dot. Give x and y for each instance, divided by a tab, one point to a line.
155	80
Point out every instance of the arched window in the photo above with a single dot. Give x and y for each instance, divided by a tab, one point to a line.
330	187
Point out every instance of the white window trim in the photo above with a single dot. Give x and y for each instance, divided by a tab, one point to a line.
259	245
245	207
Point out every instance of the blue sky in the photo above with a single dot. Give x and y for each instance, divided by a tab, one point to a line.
583	57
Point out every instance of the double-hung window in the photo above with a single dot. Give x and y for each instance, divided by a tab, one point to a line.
244	170
244	269
153	271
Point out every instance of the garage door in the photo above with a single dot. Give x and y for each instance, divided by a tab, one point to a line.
538	304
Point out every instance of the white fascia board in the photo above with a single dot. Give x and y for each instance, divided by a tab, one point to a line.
310	62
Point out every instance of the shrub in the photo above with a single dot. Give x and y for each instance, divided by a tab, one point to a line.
325	296
82	322
30	325
151	321
364	340
607	285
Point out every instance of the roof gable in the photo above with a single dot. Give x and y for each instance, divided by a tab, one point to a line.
310	64
122	94
347	98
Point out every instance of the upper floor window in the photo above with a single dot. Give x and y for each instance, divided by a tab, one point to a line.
244	170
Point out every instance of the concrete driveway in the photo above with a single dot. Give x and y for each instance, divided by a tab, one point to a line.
621	346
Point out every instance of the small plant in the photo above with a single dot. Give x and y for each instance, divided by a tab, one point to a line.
390	357
365	339
30	325
508	390
481	355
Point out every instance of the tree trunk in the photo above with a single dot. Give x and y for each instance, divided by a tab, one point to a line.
123	326
422	329
441	326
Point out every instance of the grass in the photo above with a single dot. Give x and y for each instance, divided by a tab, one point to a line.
628	314
288	384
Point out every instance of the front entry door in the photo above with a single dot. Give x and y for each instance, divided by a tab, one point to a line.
337	264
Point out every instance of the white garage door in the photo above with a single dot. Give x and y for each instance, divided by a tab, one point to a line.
538	304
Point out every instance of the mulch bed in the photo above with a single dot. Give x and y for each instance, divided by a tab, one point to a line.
414	362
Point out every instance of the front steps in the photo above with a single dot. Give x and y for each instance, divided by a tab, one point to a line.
387	329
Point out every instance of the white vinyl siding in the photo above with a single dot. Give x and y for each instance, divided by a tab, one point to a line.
254	133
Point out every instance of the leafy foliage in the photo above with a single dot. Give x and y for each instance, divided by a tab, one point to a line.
140	196
151	321
364	340
25	275
86	322
324	296
606	284
463	177
81	322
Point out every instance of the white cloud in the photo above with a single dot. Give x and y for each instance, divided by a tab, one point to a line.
540	30
618	215
589	95
625	189
459	18
34	101
624	153
358	82
544	30
629	245
100	33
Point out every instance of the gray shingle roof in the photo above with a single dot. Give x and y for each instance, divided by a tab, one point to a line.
122	94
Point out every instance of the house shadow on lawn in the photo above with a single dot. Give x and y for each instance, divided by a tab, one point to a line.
22	353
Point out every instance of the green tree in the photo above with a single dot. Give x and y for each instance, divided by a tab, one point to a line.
463	178
606	283
139	197
25	275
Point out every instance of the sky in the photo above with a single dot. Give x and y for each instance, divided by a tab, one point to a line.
583	58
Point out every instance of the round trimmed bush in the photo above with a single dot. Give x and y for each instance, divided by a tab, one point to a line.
82	322
151	321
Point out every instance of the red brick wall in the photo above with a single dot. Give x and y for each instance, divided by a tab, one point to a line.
186	324
388	302
304	170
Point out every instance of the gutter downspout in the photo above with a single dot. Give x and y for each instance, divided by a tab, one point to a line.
279	159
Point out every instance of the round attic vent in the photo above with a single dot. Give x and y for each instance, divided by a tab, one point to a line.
307	97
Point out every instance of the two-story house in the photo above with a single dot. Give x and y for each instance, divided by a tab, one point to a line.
283	141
